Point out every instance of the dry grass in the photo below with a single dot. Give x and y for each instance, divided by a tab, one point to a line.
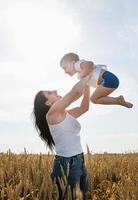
27	177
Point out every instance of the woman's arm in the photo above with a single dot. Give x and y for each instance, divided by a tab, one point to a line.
74	93
84	106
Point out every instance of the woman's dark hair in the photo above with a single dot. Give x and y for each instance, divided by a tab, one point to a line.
39	114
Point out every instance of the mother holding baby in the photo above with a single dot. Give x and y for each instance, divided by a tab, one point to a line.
59	128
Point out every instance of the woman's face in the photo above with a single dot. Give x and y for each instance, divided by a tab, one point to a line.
51	96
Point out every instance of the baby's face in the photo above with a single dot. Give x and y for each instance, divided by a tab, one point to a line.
68	67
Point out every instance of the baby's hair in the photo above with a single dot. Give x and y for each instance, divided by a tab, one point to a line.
69	57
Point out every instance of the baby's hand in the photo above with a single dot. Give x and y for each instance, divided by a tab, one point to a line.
88	76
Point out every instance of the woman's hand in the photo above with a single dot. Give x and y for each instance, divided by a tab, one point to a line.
84	106
87	68
74	94
86	89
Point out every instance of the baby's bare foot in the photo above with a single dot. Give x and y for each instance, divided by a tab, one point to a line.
124	103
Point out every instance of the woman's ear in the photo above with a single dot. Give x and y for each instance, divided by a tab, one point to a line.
73	62
47	103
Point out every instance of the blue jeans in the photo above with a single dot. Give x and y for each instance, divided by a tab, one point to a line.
110	80
75	171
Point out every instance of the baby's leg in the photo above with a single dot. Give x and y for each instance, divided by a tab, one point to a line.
100	96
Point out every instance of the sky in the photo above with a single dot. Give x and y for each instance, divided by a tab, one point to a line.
34	35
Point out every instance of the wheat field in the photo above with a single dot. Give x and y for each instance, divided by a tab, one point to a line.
27	177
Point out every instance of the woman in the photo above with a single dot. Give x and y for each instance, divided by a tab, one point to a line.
59	128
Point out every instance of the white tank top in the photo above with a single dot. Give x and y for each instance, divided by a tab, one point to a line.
95	75
66	136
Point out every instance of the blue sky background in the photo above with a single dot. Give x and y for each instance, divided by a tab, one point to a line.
34	35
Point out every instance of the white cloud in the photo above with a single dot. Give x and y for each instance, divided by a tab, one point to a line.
42	31
113	143
128	36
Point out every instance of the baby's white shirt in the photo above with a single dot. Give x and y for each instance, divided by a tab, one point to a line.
95	75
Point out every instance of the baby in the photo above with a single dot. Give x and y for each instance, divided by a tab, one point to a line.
103	80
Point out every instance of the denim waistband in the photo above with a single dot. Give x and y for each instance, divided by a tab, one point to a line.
75	156
70	159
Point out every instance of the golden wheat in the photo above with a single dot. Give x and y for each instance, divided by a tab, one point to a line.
27	177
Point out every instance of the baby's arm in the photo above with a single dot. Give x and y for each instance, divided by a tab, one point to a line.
86	68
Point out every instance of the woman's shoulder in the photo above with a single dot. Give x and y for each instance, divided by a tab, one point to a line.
55	117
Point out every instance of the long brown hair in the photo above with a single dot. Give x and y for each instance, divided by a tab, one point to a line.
39	114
